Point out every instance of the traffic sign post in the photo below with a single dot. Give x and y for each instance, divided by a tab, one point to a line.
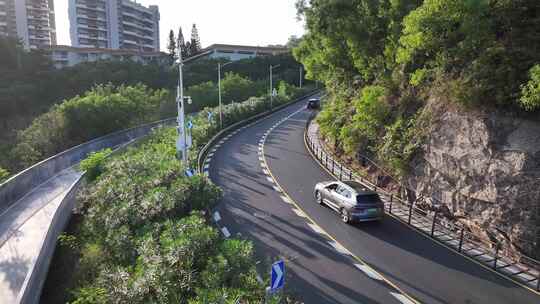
277	279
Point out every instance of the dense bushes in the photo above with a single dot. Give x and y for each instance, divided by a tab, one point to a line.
93	164
145	239
3	174
102	110
475	53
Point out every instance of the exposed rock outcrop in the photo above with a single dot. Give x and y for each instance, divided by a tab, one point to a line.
485	168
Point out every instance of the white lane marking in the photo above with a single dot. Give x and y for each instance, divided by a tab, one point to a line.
276	189
226	232
266	172
286	199
217	217
369	272
217	146
221	142
263	165
339	248
270	179
210	154
403	299
316	228
299	212
208	160
260	148
213	150
261	159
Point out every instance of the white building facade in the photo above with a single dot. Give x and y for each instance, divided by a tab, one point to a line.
68	56
32	21
114	24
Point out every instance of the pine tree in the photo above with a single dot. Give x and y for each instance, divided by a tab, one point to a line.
172	46
188	49
195	41
182	42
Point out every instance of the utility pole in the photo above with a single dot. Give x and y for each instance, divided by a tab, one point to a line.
219	92
272	85
181	142
300	82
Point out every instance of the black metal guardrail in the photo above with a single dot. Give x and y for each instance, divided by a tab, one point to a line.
521	269
204	151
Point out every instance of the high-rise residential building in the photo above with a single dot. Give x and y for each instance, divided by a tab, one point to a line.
32	21
114	24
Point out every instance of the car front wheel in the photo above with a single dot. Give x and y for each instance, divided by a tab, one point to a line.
319	198
345	217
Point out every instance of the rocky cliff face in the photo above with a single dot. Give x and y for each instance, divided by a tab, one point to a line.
485	168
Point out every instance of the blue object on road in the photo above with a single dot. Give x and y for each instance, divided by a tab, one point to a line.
278	275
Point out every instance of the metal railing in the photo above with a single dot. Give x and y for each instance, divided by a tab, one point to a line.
521	269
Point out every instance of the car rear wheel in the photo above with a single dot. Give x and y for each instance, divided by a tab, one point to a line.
319	198
345	217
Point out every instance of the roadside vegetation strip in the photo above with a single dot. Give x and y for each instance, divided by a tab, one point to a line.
520	274
397	292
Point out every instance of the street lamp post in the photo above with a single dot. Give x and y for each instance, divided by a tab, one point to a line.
271	84
183	142
300	82
219	92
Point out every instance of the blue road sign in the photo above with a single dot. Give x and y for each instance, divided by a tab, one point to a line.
277	275
190	125
190	172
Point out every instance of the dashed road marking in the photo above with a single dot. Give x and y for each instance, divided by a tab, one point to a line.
210	154
299	212
266	172
270	179
225	232
403	299
286	199
339	248
277	189
369	272
316	228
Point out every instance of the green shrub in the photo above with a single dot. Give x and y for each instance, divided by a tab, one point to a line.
530	92
93	164
4	174
100	111
372	112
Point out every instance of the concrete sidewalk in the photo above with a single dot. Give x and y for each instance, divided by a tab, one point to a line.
23	228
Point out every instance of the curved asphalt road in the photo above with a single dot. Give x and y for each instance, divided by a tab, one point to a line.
317	271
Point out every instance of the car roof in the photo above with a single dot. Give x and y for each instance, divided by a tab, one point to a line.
358	188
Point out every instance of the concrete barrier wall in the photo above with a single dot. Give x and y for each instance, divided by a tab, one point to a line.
33	284
19	185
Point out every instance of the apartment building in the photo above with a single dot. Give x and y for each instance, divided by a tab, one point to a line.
32	21
114	24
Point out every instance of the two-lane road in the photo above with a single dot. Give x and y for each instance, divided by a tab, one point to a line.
319	269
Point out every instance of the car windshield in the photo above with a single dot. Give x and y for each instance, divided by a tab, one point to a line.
366	199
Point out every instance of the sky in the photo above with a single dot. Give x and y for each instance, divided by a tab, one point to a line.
246	22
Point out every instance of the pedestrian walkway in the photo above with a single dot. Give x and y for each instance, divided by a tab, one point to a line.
23	229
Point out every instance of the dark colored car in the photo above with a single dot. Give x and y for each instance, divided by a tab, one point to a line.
314	103
351	200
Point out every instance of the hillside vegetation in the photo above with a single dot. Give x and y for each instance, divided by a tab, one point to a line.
142	231
382	60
